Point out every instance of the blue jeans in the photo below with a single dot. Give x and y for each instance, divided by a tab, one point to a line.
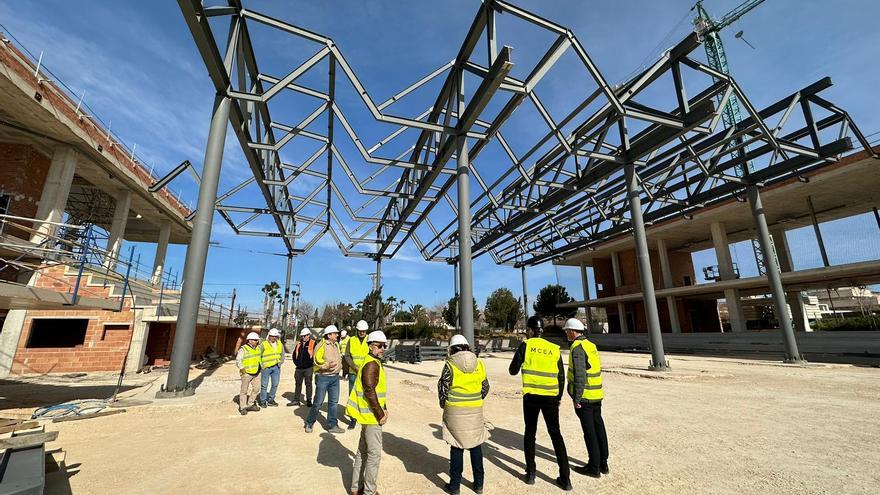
274	374
456	465
325	385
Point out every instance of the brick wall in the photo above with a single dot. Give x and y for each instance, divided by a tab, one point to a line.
23	173
224	341
104	349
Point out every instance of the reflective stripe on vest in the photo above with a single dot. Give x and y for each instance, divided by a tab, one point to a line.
271	353
467	388
358	407
358	349
250	361
593	388
319	353
540	369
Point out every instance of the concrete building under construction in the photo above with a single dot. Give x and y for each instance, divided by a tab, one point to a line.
71	299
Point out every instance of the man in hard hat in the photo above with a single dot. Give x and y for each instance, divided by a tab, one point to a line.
304	361
366	404
543	380
328	364
355	352
585	389
461	389
248	361
272	351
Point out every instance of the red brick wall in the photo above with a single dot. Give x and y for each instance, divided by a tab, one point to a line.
224	341
104	349
23	173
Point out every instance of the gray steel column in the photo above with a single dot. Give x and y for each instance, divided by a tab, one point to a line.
792	355
525	293
197	253
378	290
466	298
658	358
457	294
285	317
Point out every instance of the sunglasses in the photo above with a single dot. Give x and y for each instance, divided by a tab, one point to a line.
380	346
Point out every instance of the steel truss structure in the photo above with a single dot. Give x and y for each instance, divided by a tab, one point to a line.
609	164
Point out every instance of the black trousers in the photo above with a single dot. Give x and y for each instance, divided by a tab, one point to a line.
533	405
590	414
456	466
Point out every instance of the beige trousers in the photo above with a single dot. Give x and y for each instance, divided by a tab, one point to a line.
250	385
366	459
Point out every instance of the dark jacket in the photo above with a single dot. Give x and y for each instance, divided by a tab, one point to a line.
519	358
303	356
370	380
580	366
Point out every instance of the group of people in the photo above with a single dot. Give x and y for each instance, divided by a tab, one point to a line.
462	388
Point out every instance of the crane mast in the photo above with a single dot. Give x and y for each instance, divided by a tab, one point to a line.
709	31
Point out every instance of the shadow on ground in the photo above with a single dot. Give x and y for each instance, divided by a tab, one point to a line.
332	453
411	372
415	458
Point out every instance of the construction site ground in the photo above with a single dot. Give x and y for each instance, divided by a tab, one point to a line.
711	425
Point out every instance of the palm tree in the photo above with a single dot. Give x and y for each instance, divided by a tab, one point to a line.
270	292
393	302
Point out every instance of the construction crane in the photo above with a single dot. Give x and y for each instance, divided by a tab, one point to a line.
709	31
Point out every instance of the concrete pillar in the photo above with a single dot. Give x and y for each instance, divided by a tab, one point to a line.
117	228
667	284
140	331
53	200
618	281
587	309
725	267
56	189
161	250
794	298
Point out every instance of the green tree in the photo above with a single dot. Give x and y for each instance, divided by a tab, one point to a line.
418	313
450	312
502	309
549	298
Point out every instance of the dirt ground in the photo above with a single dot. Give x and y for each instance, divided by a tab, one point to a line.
710	426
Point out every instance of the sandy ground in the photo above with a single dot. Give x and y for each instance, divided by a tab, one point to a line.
710	426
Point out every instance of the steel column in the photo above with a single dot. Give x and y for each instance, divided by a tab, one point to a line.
197	253
792	355
457	295
285	317
658	358
466	298
378	290
525	293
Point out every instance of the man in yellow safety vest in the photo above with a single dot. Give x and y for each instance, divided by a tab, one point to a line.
585	389
355	351
461	389
248	362
272	350
366	404
543	380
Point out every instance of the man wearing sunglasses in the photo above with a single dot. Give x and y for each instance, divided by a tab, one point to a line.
366	404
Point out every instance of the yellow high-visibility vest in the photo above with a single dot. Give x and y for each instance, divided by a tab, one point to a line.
319	352
250	362
343	345
593	388
271	353
540	370
358	407
359	349
467	388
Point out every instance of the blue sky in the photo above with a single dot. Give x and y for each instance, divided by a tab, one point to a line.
137	65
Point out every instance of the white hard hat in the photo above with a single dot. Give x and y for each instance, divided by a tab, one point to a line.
362	326
274	333
304	332
377	336
574	324
343	334
458	339
329	329
253	336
